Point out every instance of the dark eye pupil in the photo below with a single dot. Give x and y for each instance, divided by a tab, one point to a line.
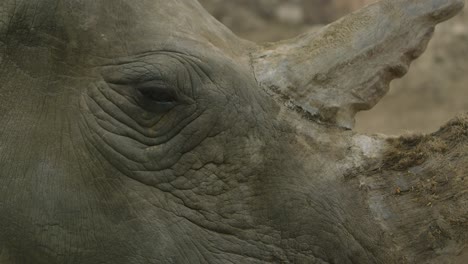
158	95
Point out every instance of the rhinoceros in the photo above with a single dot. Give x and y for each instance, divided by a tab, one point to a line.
146	132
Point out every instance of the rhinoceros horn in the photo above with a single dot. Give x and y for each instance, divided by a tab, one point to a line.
347	66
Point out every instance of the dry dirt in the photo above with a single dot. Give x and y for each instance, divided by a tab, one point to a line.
434	90
423	179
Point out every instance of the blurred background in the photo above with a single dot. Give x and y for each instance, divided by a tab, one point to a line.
434	90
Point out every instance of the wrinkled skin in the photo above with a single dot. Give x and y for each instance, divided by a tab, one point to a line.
134	133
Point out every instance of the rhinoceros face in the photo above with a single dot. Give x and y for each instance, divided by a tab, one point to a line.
139	133
133	133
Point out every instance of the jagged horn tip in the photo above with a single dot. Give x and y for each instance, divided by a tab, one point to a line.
347	66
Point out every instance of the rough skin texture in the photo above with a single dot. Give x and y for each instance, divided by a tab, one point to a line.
143	133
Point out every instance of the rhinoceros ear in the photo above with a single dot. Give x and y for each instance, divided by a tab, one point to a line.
347	66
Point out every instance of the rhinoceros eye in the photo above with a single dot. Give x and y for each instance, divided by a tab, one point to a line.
156	96
157	92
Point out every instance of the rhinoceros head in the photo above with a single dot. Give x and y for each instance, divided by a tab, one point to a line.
147	132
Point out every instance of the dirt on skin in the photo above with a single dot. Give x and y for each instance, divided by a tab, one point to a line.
412	150
434	90
420	193
437	159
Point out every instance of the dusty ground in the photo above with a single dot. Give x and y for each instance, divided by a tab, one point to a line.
434	91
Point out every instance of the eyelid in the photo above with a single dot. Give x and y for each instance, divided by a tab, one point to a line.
131	73
161	70
152	84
